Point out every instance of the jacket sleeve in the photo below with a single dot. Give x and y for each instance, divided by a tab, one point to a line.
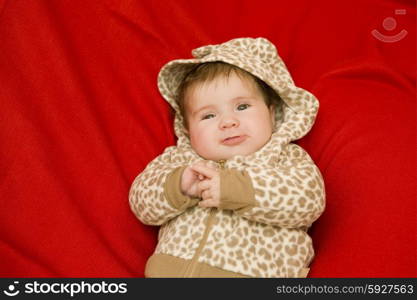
290	194
155	195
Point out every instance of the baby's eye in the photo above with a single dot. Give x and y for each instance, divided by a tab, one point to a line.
207	116
243	106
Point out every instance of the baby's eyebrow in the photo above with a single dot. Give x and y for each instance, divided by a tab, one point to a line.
241	98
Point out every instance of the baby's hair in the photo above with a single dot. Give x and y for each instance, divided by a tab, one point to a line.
206	72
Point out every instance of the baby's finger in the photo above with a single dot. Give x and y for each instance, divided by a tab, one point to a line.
204	184
211	165
206	194
199	163
206	203
205	171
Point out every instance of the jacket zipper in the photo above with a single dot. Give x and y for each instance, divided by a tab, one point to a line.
191	269
222	163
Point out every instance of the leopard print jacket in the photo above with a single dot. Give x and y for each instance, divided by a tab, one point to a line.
269	237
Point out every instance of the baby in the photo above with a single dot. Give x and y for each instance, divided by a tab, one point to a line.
234	197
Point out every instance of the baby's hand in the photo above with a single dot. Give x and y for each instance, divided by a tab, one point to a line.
209	185
190	180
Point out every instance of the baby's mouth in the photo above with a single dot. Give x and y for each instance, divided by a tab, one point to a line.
234	140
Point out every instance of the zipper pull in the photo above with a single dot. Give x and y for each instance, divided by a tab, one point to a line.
222	162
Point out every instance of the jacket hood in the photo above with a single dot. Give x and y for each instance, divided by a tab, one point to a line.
259	57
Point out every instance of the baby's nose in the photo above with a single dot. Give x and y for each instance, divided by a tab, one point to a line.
229	122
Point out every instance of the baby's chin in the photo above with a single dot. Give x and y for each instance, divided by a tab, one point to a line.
225	156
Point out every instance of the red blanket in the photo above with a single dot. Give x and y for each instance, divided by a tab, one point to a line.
80	117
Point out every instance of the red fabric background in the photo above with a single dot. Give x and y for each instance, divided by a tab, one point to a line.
80	117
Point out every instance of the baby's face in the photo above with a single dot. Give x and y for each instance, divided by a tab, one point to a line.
227	117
